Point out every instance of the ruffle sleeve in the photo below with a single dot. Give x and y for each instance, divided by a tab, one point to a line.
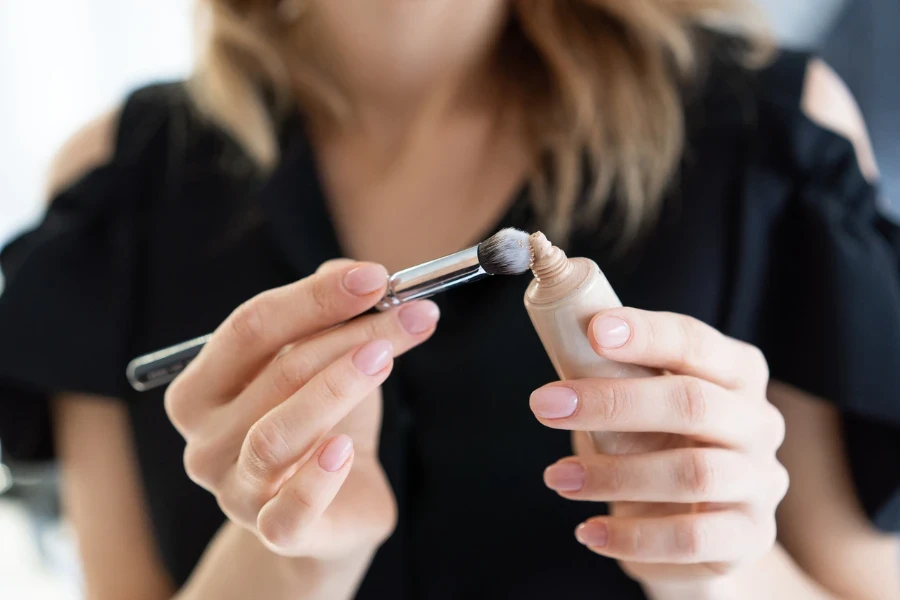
829	318
69	290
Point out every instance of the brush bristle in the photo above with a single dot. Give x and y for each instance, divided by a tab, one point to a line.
508	252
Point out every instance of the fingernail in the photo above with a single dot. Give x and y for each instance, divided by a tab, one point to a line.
554	402
419	317
372	358
564	477
593	534
336	453
611	332
364	280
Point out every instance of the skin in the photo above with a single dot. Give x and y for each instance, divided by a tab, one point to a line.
698	509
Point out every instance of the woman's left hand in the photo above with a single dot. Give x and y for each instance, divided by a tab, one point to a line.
690	471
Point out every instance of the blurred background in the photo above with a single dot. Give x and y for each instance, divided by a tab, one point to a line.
64	61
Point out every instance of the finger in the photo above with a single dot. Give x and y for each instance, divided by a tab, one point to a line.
283	520
677	343
217	442
666	404
289	432
405	327
334	263
689	475
681	539
256	331
680	574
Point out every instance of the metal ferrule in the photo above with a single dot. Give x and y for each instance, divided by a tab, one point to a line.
432	278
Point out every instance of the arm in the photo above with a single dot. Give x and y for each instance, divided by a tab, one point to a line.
696	476
827	548
103	499
100	490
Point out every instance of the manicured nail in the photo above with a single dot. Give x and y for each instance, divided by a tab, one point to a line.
554	402
419	317
593	534
611	332
372	358
564	477
364	280
336	453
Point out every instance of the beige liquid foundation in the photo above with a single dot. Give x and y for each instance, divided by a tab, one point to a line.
563	298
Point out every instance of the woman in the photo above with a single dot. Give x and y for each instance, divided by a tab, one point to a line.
293	459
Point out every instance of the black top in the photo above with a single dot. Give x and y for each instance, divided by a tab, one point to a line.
771	235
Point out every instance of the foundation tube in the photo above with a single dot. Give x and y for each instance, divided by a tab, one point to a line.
563	298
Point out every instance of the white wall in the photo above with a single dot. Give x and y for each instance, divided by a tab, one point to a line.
801	22
64	61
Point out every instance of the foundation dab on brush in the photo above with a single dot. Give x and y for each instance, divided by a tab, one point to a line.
563	298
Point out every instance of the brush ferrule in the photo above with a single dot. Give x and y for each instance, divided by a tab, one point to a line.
434	277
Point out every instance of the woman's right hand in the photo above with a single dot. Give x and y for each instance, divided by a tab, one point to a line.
281	411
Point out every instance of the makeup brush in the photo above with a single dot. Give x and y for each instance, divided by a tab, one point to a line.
508	252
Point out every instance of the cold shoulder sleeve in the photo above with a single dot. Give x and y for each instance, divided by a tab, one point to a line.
827	263
69	290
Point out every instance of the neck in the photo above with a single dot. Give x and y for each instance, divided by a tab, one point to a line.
400	63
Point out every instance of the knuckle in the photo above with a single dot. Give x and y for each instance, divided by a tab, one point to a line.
770	533
175	403
776	426
692	342
266	448
697	474
320	295
782	481
377	328
275	530
282	526
197	461
299	501
335	387
760	363
246	321
613	402
614	476
242	504
289	374
635	539
691	538
691	402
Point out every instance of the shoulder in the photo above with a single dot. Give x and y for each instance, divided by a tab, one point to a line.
147	123
89	147
796	113
828	102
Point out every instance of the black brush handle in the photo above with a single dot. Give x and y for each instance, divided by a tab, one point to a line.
159	368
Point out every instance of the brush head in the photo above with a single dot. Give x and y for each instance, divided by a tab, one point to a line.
508	252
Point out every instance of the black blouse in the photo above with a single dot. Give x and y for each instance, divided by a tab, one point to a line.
771	234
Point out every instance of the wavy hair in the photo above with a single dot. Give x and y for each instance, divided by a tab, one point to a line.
603	79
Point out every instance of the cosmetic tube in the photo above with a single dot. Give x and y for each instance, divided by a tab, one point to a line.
561	301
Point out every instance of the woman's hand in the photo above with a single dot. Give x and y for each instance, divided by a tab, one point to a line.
690	470
282	413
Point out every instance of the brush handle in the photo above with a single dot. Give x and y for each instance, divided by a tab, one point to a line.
431	278
422	281
159	368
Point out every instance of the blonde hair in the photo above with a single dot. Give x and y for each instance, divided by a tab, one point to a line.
603	79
